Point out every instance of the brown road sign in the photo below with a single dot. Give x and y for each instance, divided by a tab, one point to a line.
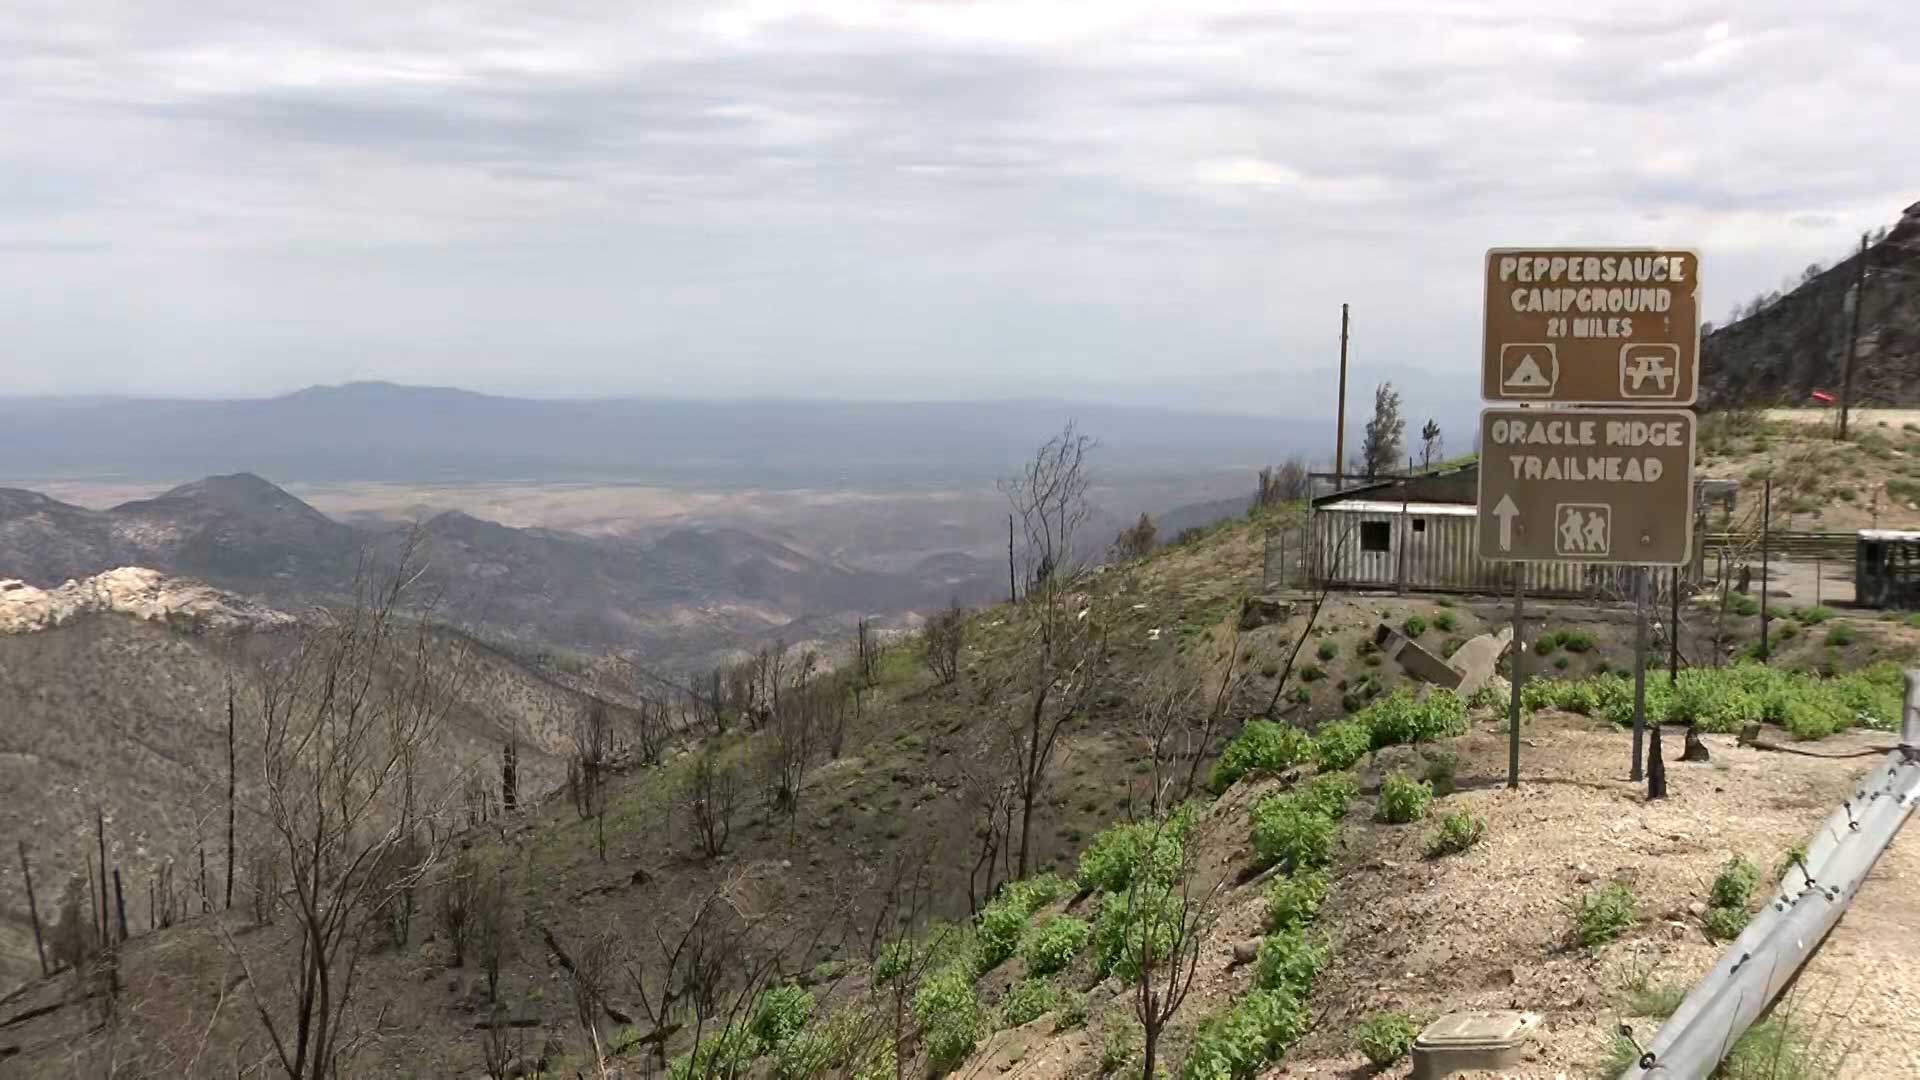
1587	485
1592	327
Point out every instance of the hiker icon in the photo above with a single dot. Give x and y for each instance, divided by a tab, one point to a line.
1528	370
1582	529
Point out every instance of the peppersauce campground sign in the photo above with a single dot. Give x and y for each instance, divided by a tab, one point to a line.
1592	327
1587	485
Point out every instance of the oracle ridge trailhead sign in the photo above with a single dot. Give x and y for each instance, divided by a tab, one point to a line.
1592	327
1587	485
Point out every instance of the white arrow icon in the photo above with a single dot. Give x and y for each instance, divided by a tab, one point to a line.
1505	511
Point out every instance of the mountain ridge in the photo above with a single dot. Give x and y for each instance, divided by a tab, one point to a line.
1790	345
679	599
386	431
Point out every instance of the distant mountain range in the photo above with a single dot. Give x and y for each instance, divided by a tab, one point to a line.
677	599
381	431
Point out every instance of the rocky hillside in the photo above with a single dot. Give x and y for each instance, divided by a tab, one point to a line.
678	600
883	833
1796	343
114	693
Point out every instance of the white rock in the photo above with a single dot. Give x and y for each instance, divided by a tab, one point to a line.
129	590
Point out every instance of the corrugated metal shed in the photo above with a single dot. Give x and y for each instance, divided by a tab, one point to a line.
1365	541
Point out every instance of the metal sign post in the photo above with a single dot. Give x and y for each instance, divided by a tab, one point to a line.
1606	483
1519	674
1639	668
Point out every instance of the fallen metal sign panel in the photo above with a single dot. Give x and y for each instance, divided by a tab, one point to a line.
1586	485
1592	327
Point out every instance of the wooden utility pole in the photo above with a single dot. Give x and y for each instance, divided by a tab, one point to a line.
1853	337
1340	418
33	909
1013	587
120	903
100	832
1766	561
230	796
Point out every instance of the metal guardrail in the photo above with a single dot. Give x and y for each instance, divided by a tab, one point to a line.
1806	905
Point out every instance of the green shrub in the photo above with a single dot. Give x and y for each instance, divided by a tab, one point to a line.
1288	960
1546	643
1238	1044
1385	1037
1328	649
1786	631
1445	621
1329	794
1487	697
1294	899
1560	663
1004	921
1341	745
1654	999
1811	616
892	962
1136	926
1126	849
1120	1043
1051	946
1071	1012
1301	695
1734	885
950	1017
1743	605
1401	718
1576	641
726	1052
1603	915
1403	800
779	1014
1840	635
1311	673
1262	745
1438	770
1724	923
1292	834
1458	831
1414	626
1026	1001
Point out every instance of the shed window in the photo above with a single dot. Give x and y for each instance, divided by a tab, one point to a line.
1376	536
1419	524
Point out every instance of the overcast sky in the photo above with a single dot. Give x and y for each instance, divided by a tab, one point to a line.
1125	200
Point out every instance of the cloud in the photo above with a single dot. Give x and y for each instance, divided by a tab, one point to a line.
1126	199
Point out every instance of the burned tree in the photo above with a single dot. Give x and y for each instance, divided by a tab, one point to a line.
941	642
1065	646
335	719
1279	485
1135	542
587	769
708	796
1165	930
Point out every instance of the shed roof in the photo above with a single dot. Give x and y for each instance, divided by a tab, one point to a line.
1382	506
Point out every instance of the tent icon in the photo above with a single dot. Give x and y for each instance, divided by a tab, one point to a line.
1528	370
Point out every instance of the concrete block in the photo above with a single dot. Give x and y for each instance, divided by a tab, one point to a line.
1457	1042
1476	660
